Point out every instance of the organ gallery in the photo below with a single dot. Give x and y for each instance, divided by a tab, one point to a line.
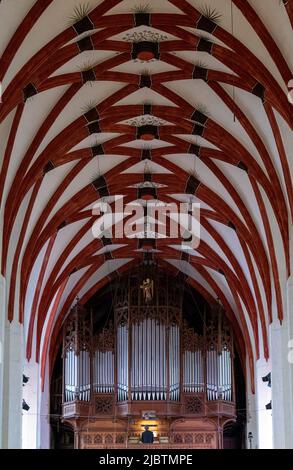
150	357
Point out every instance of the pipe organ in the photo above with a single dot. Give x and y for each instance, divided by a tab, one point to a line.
148	355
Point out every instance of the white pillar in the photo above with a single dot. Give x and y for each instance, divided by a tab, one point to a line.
263	397
12	390
288	333
289	401
2	331
30	395
282	375
44	428
259	419
252	417
281	337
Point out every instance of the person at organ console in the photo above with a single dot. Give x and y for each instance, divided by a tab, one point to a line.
147	436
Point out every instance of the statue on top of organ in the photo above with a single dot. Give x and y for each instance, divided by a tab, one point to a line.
148	289
151	351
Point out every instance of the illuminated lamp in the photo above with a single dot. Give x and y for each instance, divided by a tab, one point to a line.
147	137
147	133
146	51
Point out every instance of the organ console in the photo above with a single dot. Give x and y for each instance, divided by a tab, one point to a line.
148	355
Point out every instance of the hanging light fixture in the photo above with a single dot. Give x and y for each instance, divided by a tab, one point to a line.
147	133
145	51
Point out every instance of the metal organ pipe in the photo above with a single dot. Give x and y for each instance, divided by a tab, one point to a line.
163	353
153	358
122	362
149	357
157	334
174	362
219	375
77	376
144	359
193	364
103	371
80	375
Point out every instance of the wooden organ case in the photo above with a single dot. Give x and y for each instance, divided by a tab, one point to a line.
147	365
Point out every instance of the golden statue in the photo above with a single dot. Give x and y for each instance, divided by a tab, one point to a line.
148	289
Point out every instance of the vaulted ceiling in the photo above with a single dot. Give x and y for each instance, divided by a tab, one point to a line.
175	100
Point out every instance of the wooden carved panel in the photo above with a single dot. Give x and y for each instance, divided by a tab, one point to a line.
104	341
194	405
196	440
98	439
104	405
77	333
191	341
109	439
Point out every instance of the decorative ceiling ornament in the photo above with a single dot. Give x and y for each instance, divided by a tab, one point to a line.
79	15
142	8
211	14
145	35
142	14
147	120
147	184
146	45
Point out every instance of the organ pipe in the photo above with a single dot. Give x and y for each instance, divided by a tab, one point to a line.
76	353
219	358
148	377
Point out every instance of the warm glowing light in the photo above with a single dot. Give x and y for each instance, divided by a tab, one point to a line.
145	55
147	137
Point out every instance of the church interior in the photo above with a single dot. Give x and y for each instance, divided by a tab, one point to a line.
146	237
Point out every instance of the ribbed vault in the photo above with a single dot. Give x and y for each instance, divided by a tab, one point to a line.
203	117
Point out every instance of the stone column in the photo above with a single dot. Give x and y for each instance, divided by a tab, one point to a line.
282	375
30	395
2	331
76	438
44	428
282	369
12	390
289	363
252	416
263	398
